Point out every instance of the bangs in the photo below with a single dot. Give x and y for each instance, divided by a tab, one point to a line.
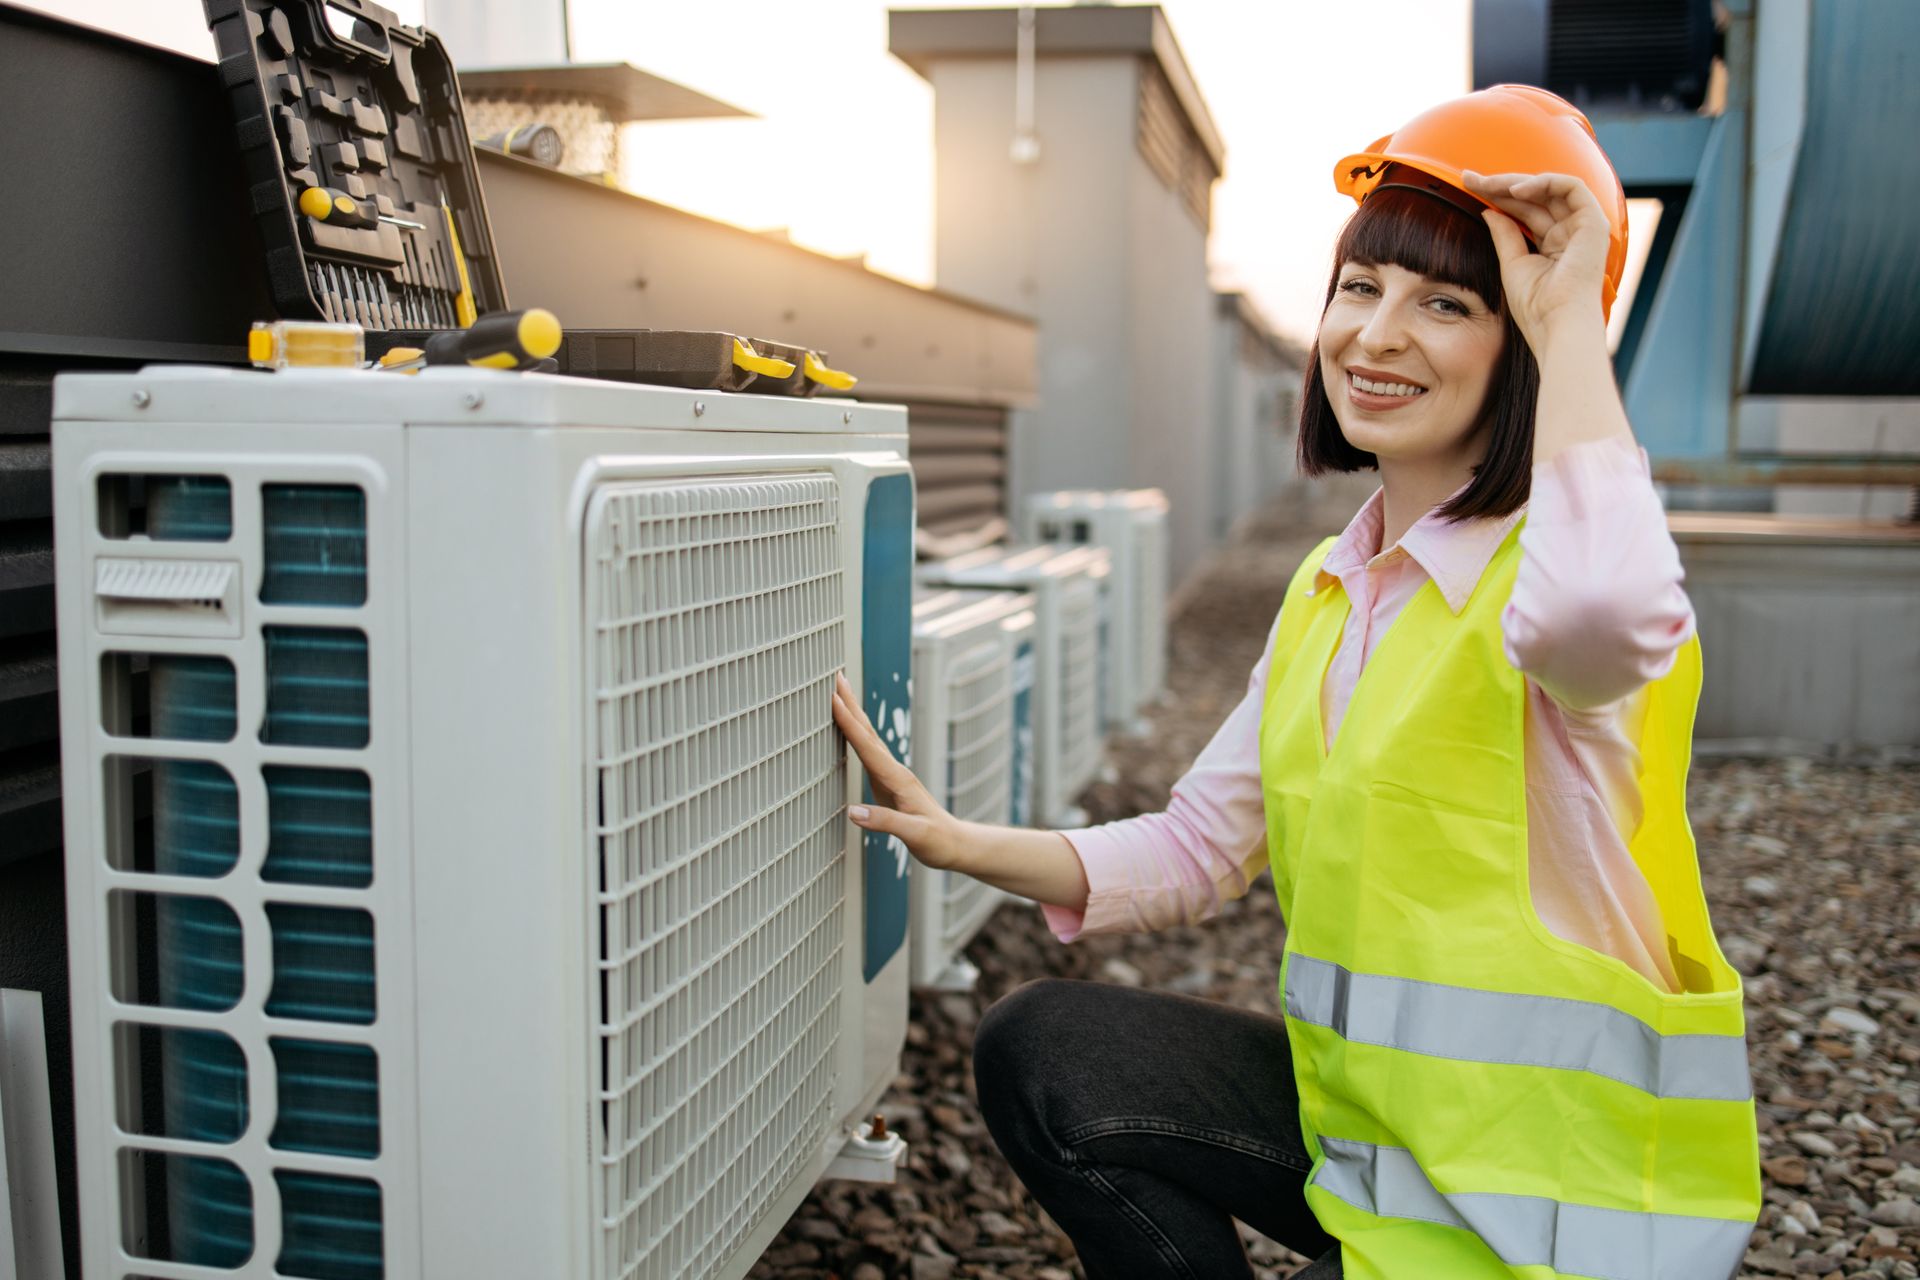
1401	228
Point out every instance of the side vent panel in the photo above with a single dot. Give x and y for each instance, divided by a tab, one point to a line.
979	716
244	932
1081	653
1026	668
715	626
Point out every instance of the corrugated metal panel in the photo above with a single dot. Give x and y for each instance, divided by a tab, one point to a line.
29	731
959	456
1843	312
953	502
932	436
944	469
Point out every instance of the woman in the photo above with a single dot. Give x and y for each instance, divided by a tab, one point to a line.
1511	1045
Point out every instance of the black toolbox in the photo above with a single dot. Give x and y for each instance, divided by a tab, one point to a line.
360	172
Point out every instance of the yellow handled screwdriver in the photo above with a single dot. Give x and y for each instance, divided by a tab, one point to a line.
499	340
331	205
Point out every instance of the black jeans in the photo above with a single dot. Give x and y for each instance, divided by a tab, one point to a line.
1145	1122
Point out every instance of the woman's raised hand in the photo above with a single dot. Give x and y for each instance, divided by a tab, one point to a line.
905	807
1562	282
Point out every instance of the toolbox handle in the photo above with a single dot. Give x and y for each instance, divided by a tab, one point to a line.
832	379
753	362
343	24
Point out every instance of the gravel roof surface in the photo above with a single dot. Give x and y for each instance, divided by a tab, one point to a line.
1813	873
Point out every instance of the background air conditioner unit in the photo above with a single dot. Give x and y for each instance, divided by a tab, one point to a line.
974	659
1132	524
1065	586
458	875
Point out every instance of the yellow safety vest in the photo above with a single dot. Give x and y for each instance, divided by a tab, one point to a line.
1482	1098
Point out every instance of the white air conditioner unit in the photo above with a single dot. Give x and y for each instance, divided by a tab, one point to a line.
458	873
973	654
1132	524
1066	587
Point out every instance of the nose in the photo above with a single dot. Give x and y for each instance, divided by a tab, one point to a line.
1385	331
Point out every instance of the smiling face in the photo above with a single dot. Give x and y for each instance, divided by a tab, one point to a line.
1448	386
1407	361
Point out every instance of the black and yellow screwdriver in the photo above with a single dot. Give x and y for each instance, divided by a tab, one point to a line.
500	340
337	208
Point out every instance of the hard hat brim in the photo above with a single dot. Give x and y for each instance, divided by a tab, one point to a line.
1358	174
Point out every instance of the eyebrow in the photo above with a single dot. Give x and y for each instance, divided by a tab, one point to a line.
1437	282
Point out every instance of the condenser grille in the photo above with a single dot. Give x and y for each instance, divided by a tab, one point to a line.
715	609
1080	694
980	734
979	772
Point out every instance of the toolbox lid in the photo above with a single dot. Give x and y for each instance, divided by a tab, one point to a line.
359	164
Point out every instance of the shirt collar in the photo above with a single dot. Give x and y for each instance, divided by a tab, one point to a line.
1453	555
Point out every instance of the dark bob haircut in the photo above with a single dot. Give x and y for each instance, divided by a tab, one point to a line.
1402	228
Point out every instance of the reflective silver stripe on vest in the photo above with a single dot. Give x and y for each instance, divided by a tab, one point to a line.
1535	1031
1533	1231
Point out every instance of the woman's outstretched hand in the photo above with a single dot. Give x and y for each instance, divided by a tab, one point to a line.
1562	282
904	808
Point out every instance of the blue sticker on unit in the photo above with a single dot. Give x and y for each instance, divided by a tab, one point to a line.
1024	661
886	657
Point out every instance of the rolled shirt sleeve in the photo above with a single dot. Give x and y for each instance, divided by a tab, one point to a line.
1597	609
1180	865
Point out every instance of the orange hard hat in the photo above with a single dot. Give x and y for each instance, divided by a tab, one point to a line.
1510	128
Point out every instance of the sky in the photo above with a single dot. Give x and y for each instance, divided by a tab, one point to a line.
841	151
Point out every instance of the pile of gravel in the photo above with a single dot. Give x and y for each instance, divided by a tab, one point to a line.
1813	871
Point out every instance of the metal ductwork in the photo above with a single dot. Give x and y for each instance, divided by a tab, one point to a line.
1650	54
1769	338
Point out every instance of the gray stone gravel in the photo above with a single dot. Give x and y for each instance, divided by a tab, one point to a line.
1813	872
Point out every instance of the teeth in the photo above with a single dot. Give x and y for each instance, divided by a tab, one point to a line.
1384	388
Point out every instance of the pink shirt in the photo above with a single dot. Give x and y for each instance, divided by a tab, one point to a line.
1597	612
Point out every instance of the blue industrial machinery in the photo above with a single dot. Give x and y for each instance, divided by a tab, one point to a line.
1787	259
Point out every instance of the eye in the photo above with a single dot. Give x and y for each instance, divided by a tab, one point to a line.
1359	286
1450	306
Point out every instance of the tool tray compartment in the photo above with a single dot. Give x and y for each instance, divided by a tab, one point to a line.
359	165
